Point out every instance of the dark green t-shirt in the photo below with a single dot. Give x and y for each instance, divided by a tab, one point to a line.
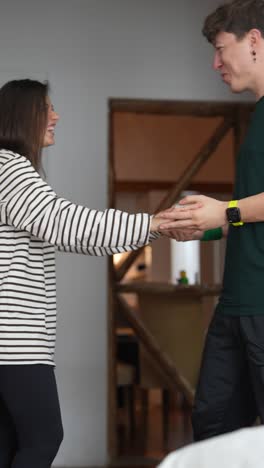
243	283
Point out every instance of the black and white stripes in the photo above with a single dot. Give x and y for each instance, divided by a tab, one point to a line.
34	220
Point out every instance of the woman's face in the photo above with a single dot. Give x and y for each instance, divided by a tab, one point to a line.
52	120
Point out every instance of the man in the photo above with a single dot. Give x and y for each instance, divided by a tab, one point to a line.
230	392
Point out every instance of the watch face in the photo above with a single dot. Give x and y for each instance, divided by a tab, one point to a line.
233	215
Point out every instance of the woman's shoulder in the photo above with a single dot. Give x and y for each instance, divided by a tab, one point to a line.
8	155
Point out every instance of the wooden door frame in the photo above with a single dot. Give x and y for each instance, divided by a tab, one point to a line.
239	113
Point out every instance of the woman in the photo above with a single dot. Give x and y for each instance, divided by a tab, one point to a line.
34	220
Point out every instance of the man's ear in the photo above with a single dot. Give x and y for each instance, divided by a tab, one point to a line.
255	37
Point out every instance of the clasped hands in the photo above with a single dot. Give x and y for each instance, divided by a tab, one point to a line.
189	219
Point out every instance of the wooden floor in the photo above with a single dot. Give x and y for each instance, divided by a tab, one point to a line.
150	442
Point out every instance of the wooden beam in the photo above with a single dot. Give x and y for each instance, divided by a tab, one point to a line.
111	368
177	108
169	289
164	362
181	185
132	186
111	345
203	155
111	164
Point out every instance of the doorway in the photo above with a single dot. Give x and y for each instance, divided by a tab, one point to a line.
157	150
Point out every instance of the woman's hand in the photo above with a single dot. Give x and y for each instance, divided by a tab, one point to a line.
184	235
155	223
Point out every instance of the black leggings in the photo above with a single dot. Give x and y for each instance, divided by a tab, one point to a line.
30	419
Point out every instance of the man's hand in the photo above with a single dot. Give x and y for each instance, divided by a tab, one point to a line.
196	212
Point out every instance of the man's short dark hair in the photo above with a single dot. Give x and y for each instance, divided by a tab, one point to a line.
237	17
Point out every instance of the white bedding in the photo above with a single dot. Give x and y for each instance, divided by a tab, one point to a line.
239	449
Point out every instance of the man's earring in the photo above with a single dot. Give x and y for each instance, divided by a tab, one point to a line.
254	56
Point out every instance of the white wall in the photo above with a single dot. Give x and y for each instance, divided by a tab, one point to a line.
92	50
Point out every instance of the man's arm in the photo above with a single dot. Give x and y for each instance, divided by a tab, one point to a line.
203	213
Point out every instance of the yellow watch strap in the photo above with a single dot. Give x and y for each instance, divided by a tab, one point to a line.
233	204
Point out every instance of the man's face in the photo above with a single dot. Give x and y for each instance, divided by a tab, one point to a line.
233	60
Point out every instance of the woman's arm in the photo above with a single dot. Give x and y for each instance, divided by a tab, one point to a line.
28	203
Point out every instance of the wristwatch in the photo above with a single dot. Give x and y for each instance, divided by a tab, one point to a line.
233	214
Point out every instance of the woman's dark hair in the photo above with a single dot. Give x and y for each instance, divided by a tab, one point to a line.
237	17
23	118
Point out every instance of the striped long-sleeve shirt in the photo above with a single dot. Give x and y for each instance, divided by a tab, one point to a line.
33	221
